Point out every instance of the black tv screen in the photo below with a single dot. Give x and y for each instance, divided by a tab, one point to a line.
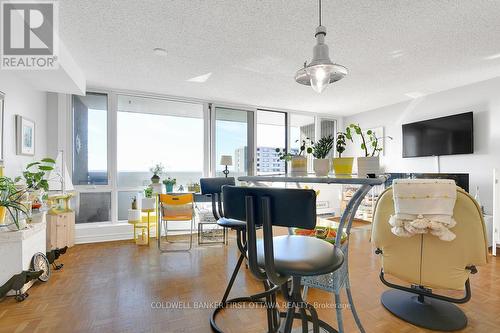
441	136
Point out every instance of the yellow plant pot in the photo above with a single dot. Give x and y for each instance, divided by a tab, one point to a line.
343	165
299	166
3	210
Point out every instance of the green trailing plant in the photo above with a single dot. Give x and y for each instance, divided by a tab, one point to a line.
148	192
305	148
170	181
322	148
341	142
34	174
10	198
369	142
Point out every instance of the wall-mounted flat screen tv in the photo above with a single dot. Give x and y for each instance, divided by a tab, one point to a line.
441	136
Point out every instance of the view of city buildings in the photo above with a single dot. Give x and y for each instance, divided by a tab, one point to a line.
267	160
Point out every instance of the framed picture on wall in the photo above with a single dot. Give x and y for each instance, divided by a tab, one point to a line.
2	98
25	136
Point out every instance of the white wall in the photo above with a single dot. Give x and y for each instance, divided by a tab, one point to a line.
22	99
482	98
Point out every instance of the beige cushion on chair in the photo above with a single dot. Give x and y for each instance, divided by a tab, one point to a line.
425	259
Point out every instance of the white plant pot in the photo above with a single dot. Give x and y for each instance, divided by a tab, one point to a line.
321	167
148	204
298	166
368	165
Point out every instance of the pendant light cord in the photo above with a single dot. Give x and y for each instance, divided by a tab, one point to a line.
319	1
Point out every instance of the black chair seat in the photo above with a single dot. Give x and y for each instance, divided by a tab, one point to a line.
231	223
302	256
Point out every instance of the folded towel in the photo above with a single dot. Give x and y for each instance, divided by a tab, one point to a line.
422	206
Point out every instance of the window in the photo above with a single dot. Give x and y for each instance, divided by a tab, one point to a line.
114	148
92	207
328	127
271	134
232	130
156	131
90	137
301	127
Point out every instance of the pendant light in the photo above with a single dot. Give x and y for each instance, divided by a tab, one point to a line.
321	71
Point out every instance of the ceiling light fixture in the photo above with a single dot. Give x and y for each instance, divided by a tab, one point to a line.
321	70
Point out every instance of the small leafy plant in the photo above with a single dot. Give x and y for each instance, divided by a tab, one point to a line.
341	142
148	192
34	174
305	148
157	169
170	181
322	148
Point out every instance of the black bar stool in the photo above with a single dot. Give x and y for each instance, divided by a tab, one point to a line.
281	258
213	187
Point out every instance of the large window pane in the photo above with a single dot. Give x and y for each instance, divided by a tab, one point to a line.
92	207
271	134
231	138
90	139
301	127
156	131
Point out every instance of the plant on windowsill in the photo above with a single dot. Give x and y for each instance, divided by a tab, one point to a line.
156	170
368	165
13	210
342	166
36	181
169	184
320	151
298	160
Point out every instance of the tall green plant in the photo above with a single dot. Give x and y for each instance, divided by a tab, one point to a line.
369	143
322	148
34	174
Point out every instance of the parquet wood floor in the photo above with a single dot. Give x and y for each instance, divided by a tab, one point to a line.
115	287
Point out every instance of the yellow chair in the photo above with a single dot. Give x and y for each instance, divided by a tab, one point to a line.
174	207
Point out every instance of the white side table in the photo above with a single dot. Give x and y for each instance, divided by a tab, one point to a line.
18	247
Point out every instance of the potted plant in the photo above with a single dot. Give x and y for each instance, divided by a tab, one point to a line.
370	163
342	165
13	211
148	202
298	161
156	170
169	184
320	151
36	182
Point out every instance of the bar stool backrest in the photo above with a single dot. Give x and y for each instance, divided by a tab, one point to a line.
213	187
289	207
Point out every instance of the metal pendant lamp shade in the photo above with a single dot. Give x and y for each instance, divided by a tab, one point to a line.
321	71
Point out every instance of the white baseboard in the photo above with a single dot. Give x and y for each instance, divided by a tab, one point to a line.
96	233
108	232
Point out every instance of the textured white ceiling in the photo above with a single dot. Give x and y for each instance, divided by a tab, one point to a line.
253	48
